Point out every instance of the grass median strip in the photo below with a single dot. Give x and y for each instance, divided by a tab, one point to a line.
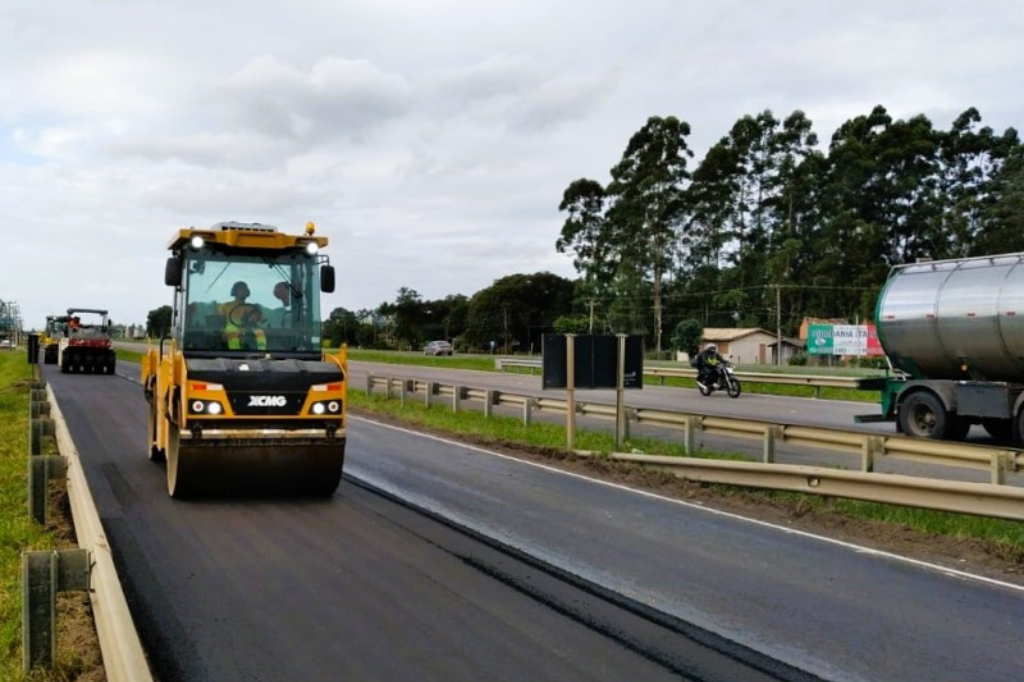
77	652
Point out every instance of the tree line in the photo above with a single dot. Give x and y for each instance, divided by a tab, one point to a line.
767	229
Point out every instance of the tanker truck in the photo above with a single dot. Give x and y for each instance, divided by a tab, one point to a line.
953	331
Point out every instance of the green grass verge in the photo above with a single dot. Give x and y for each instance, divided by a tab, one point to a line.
129	355
18	532
1005	539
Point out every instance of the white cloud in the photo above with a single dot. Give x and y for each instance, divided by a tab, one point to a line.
430	141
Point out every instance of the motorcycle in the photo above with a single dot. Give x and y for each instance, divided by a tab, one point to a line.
723	379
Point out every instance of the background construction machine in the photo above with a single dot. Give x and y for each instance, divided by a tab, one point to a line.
49	340
85	346
242	398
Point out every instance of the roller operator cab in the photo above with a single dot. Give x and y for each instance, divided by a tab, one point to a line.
242	398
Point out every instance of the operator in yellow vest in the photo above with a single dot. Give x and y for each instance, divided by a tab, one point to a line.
240	317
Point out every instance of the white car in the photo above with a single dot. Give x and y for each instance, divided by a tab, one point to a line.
5	343
438	348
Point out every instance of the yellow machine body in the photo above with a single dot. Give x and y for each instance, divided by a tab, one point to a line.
253	405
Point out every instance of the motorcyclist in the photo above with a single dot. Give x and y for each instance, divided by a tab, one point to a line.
708	362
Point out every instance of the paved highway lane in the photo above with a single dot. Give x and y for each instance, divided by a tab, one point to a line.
839	611
355	587
243	590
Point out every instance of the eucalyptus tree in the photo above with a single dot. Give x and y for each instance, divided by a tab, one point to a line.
584	230
747	199
1003	213
971	162
646	203
851	243
585	235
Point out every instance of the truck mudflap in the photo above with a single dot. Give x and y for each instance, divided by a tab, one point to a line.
255	462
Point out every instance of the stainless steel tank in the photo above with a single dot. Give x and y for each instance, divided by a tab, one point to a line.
956	319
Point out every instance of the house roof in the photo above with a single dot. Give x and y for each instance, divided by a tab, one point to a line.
723	334
789	341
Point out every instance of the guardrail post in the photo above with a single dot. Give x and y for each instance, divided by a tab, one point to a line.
872	447
999	465
456	398
40	471
627	416
771	433
43	574
817	392
431	387
690	434
387	387
527	411
43	426
490	398
369	384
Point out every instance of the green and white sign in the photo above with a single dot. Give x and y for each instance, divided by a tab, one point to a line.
843	339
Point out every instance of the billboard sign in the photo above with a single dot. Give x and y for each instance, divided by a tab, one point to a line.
596	361
843	339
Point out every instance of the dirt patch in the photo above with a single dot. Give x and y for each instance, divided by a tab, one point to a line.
800	512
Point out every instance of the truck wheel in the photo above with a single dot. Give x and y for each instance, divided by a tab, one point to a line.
923	415
1018	427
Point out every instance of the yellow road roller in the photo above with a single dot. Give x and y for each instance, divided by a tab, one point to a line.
243	399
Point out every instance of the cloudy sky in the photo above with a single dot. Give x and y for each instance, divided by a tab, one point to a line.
430	140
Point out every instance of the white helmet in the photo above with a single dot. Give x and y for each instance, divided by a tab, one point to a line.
711	346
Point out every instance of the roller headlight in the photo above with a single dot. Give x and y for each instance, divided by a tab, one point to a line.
197	242
211	407
318	408
312	248
333	406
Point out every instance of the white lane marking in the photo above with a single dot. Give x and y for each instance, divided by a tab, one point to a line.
840	543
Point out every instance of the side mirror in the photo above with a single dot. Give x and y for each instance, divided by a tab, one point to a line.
172	272
327	279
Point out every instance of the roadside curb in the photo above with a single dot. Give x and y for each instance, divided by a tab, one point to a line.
123	657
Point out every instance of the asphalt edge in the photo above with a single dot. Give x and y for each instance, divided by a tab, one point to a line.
123	657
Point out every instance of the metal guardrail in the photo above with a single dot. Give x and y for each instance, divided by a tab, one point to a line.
661	373
123	658
995	499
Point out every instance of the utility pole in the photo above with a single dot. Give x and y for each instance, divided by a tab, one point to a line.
591	316
778	325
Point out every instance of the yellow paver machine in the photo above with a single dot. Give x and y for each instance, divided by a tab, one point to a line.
242	397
